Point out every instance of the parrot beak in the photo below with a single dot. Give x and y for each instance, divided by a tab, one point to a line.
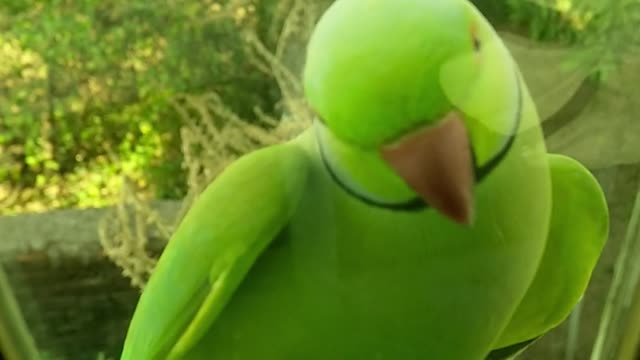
436	163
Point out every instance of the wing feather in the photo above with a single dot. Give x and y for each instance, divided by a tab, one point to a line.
212	250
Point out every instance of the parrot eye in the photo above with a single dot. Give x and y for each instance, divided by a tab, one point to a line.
477	45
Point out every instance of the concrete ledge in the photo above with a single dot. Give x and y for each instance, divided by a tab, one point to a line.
74	300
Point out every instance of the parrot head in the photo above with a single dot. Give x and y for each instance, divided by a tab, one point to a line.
417	100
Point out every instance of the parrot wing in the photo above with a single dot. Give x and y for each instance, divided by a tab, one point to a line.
578	231
510	352
212	250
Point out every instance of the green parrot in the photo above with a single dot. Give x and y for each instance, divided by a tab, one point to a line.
420	217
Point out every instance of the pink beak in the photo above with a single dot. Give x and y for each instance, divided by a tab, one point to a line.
436	163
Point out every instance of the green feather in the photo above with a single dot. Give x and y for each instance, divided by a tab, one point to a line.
579	228
213	248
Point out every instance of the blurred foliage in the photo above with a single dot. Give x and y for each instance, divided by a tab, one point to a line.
604	32
86	90
552	20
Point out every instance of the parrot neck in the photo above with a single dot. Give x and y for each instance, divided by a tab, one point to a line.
363	174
